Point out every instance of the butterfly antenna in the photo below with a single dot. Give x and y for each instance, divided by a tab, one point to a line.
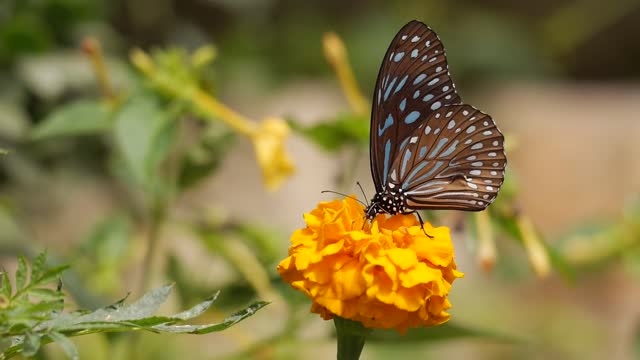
363	194
345	195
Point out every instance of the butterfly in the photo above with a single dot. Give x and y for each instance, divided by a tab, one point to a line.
428	150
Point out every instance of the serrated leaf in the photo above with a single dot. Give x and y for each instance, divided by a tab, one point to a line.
50	276
46	294
67	346
143	133
198	309
5	288
83	117
31	344
209	328
21	273
145	307
447	331
37	267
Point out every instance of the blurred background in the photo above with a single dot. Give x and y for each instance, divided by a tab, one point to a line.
117	169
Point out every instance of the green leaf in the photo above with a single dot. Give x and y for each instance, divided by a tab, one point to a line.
5	343
145	307
108	241
561	264
197	310
31	344
143	133
83	117
21	273
67	346
203	159
334	134
447	331
46	294
51	275
5	289
37	267
209	328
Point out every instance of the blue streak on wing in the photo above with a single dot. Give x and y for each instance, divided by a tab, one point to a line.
398	56
431	172
401	83
415	172
419	78
403	144
388	92
387	124
438	147
423	152
405	159
413	116
387	153
403	104
451	149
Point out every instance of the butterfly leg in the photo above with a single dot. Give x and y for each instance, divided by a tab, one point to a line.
422	225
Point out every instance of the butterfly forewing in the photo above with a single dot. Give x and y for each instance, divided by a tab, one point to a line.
454	160
412	84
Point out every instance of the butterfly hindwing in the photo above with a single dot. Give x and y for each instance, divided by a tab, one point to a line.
454	160
412	84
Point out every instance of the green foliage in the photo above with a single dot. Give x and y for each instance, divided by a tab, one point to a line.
144	132
26	324
82	117
104	253
205	156
334	134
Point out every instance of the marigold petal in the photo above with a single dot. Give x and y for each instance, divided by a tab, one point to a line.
386	274
403	258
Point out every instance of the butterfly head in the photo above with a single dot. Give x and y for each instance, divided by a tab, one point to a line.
389	201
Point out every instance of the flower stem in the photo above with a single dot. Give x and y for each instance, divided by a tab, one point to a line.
351	338
157	216
336	54
91	47
487	246
538	256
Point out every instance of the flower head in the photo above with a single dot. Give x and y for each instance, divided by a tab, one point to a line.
269	140
387	274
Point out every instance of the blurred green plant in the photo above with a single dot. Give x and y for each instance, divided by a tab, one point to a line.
26	323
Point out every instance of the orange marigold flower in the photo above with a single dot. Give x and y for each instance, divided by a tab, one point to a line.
387	274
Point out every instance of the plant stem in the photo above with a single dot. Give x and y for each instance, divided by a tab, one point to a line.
157	216
92	48
351	338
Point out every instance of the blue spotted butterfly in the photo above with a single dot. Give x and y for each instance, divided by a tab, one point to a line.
428	150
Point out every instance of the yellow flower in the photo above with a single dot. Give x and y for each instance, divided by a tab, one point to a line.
268	141
268	137
387	274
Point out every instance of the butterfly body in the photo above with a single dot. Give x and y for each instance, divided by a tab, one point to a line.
392	201
428	150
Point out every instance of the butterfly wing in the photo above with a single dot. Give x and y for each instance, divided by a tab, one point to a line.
454	160
413	82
